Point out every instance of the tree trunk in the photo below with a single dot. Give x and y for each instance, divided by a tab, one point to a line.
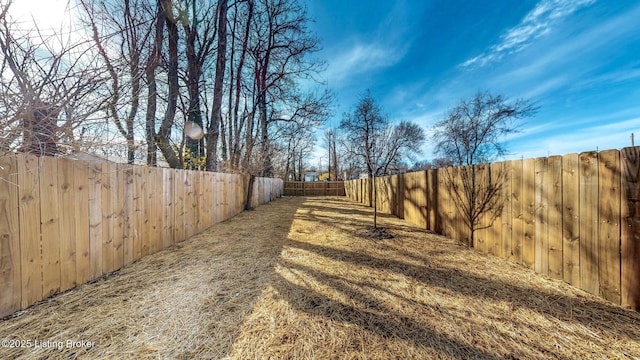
164	134
216	114
248	205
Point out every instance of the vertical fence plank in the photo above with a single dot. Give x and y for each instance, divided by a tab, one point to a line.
609	224
158	206
150	237
571	219
50	227
168	207
146	238
589	222
630	270
528	211
218	197
458	225
179	192
555	217
517	210
82	231
196	201
67	210
481	181
29	225
10	271
443	200
507	225
498	178
432	199
208	185
95	220
139	217
118	216
189	205
108	202
129	215
541	235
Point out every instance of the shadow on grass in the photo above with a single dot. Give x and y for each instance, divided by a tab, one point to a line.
617	322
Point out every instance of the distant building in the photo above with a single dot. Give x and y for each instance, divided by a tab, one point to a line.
310	176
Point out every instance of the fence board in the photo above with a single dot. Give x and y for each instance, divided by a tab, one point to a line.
118	217
482	239
432	199
129	215
11	293
95	221
139	220
507	217
541	237
157	225
208	209
497	174
571	219
168	207
589	222
67	219
517	211
151	211
630	265
29	225
555	216
528	211
108	203
179	210
50	229
609	225
82	221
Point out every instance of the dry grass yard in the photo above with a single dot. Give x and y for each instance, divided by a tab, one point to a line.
295	280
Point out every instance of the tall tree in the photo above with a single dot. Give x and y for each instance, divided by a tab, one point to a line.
216	113
471	135
163	136
369	137
280	54
121	45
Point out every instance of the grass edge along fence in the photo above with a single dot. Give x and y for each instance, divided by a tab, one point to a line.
66	222
574	217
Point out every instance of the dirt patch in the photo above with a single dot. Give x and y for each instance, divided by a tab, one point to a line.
294	280
374	233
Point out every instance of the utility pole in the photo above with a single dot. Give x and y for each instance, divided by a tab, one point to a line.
632	142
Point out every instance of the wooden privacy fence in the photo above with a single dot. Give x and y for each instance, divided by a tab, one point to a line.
314	188
574	217
66	222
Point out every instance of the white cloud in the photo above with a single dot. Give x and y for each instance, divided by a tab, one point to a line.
537	23
361	58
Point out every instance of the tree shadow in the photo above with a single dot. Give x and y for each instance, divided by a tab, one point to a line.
620	322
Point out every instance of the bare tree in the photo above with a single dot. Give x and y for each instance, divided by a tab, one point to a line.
216	114
471	136
47	88
369	137
120	32
330	139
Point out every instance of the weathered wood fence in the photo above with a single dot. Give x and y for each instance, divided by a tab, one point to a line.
314	188
574	217
65	222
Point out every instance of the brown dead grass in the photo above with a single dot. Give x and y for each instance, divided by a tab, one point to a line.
294	279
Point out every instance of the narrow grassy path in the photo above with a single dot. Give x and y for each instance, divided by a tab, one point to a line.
293	279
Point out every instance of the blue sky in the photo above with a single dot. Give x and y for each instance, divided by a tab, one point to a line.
579	60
